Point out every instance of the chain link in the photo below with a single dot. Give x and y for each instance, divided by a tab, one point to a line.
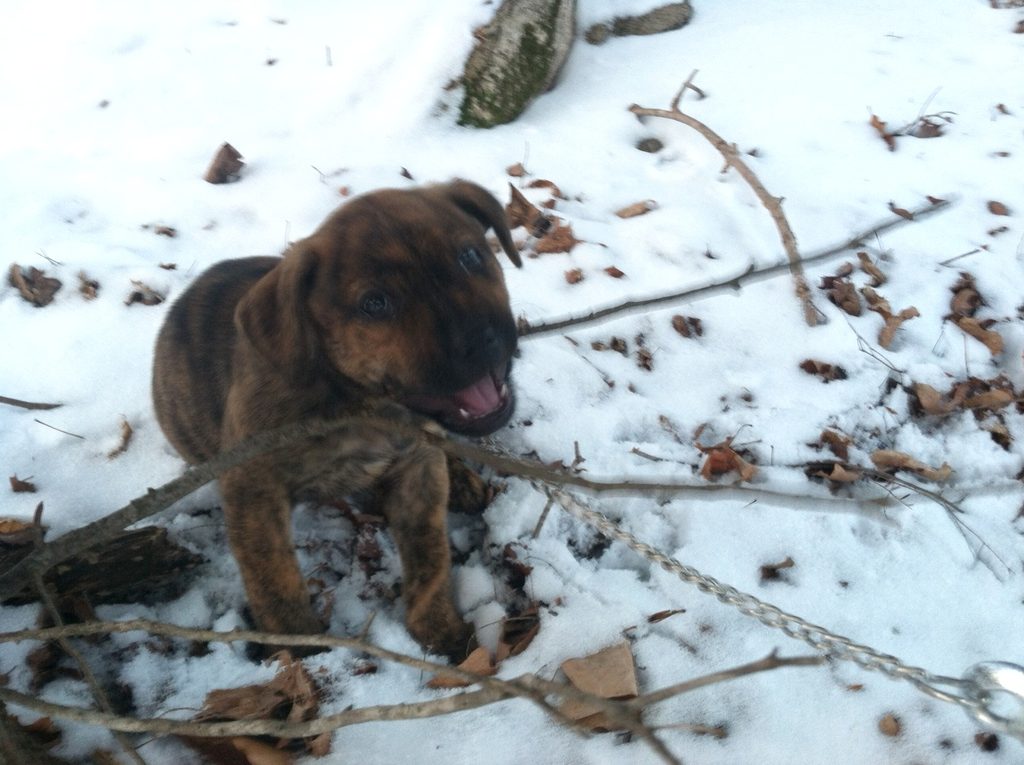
970	693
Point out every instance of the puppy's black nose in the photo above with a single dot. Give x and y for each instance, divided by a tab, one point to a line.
487	349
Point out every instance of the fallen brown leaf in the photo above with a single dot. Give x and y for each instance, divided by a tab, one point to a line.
931	401
771	572
998	208
21	485
868	267
827	372
33	285
126	437
843	294
996	398
614	272
840	474
542	183
722	459
981	332
144	294
637	208
888	460
478	662
87	288
559	239
660	616
687	326
901	211
966	298
520	211
837	443
881	306
517	170
889	725
226	166
15	532
574	275
610	674
879	126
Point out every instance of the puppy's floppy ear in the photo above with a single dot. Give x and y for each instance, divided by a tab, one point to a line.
478	202
275	315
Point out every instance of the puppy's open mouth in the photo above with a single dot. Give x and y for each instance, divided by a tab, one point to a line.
476	410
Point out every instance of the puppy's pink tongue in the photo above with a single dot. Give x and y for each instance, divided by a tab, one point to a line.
480	398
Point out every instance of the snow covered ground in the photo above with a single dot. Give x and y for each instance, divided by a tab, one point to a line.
111	113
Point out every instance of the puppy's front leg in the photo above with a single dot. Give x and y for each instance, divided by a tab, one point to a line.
257	510
415	501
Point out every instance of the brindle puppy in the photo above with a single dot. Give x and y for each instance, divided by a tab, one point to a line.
395	298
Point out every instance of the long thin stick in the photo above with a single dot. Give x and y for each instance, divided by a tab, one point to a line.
772	203
26	404
751	274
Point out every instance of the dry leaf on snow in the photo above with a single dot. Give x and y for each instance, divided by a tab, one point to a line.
610	674
291	695
126	437
226	166
843	294
559	239
839	473
998	208
837	443
614	272
981	332
574	275
872	270
660	616
881	306
827	372
22	485
520	211
901	211
687	326
637	208
33	285
888	460
722	459
772	572
879	126
15	532
478	662
966	298
517	170
88	288
142	293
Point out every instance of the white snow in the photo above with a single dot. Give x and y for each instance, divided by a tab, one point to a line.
112	111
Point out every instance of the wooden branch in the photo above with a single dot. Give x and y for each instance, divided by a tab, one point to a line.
100	695
773	204
626	713
397	420
27	404
768	663
751	274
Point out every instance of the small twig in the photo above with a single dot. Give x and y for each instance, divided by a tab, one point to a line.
768	663
543	517
953	511
102	700
397	421
674	106
53	427
27	404
771	203
751	274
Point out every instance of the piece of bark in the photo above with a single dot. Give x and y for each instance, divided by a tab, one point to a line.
141	566
226	166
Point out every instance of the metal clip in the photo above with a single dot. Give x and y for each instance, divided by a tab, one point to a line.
997	684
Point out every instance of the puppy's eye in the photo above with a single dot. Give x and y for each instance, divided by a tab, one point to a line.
376	305
471	261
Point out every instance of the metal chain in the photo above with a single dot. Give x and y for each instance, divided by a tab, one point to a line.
974	693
